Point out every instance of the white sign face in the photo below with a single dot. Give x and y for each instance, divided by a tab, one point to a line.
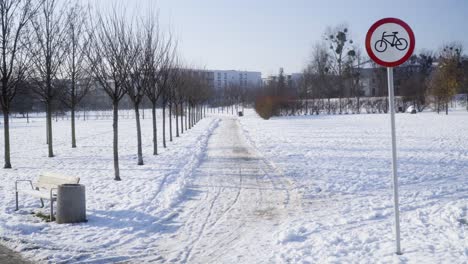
390	42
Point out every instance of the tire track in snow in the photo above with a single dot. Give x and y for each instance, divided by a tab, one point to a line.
214	223
229	208
193	244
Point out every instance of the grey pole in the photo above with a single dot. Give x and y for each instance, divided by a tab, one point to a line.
391	99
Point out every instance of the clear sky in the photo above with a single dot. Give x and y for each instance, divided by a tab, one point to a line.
263	35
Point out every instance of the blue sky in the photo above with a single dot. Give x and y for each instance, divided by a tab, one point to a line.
264	35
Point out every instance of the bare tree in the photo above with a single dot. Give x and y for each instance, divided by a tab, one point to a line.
15	15
197	92
413	76
179	101
135	84
352	78
447	78
464	86
175	81
47	56
318	78
163	83
169	95
76	66
342	50
158	55
110	66
178	82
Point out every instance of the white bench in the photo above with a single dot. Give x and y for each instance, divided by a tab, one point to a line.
45	187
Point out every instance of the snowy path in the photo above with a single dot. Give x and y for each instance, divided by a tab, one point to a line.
233	206
8	256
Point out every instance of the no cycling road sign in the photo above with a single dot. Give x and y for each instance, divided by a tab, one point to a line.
390	42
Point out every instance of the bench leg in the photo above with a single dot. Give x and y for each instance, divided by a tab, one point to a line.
17	201
51	210
42	203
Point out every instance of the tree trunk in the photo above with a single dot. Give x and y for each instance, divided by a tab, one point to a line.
466	97
358	110
446	108
339	103
155	129
6	131
47	125
73	126
115	128
164	123
306	107
138	125
181	117
193	115
186	116
190	117
49	130
177	120
170	121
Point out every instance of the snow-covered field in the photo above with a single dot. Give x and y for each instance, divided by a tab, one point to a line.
342	167
123	216
286	190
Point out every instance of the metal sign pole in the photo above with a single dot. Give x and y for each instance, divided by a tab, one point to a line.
391	100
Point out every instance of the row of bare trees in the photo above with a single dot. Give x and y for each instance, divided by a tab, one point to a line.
15	18
43	51
60	50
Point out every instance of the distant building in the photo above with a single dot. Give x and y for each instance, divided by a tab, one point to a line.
219	79
373	81
222	79
292	79
369	82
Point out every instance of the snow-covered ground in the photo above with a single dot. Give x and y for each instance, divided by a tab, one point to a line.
123	216
342	167
286	190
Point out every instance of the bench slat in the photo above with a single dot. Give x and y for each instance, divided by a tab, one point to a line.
52	180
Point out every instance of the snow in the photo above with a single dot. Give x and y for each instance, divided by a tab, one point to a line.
122	216
342	168
306	189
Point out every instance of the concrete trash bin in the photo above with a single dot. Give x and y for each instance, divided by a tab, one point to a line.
71	204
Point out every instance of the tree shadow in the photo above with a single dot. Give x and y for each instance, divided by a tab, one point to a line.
131	220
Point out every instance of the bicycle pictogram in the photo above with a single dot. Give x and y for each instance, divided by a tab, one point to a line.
382	44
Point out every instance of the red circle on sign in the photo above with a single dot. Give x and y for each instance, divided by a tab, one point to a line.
377	24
